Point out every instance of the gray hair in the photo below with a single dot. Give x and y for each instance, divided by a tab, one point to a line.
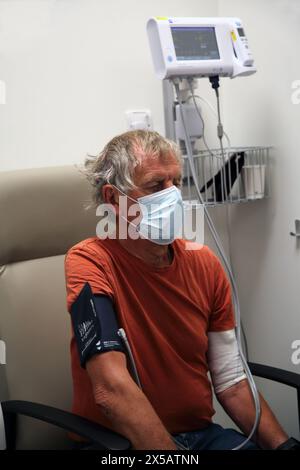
116	163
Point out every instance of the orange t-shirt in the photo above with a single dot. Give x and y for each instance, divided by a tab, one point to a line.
166	313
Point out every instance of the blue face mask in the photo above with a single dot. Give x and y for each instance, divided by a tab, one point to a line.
162	216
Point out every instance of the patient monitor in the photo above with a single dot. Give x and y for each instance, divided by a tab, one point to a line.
200	47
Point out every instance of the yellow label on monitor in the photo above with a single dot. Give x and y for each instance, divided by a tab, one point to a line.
165	18
233	35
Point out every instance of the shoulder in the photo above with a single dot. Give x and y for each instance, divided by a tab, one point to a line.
87	261
90	248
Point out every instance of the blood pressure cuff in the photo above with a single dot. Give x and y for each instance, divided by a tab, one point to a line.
95	325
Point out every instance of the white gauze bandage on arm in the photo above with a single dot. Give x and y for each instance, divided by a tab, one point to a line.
224	361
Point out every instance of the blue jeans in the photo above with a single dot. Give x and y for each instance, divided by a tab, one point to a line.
213	437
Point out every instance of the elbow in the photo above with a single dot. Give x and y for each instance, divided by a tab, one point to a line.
107	394
109	378
102	395
106	400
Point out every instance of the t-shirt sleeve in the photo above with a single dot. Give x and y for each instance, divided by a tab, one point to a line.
222	313
83	265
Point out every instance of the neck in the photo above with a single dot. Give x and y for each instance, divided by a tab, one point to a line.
151	253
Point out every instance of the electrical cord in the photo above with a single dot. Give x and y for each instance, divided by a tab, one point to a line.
193	96
215	85
224	259
123	336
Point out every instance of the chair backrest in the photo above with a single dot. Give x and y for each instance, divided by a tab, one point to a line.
42	216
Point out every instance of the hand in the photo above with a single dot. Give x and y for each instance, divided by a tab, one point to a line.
290	444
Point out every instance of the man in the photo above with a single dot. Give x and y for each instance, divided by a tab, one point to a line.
174	305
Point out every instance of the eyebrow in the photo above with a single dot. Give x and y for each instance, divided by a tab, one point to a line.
160	177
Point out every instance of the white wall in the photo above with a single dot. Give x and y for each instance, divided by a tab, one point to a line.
72	68
258	111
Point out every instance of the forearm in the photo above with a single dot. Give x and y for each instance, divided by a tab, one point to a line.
131	414
237	401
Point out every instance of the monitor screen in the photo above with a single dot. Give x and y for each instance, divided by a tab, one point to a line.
241	32
195	43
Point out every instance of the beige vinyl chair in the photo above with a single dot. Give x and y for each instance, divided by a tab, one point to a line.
42	216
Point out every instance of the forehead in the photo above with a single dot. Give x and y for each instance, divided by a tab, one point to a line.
151	167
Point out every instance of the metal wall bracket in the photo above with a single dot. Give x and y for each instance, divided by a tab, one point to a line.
297	229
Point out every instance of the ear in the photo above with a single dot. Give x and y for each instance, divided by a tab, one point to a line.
110	195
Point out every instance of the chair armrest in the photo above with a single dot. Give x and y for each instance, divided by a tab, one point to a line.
102	437
278	375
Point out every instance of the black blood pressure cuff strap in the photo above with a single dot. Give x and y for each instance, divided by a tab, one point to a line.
95	325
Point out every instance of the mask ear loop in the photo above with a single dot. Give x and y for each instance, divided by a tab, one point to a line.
124	194
122	216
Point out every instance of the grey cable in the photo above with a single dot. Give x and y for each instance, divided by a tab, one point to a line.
214	113
228	229
193	96
122	334
228	268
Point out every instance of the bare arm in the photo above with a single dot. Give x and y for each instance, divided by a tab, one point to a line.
237	401
124	404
